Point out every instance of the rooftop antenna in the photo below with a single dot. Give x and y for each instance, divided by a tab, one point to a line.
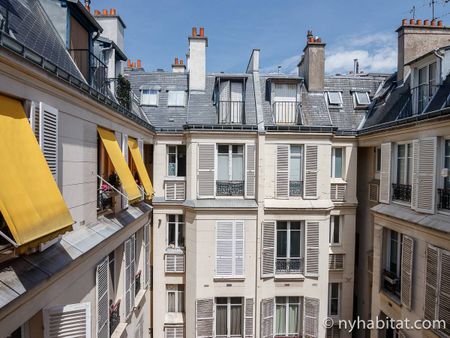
279	68
413	12
432	4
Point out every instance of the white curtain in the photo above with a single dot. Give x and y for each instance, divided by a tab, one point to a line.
236	320
171	302
280	319
221	321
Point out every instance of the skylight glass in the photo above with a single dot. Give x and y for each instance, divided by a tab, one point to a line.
334	98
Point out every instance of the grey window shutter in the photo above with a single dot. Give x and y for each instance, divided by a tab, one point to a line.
250	171
312	249
224	248
267	309
415	174
268	249
239	248
225	91
205	317
34	118
311	317
205	174
129	249
385	173
311	170
431	282
407	270
444	292
102	288
75	318
147	255
249	305
282	186
48	136
426	187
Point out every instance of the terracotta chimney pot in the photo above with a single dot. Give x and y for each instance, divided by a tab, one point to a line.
202	32
96	12
404	22
139	65
176	61
105	12
433	22
412	21
419	22
194	31
129	63
426	22
440	23
181	62
112	12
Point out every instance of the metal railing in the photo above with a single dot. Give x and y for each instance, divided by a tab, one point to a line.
421	96
286	112
114	317
105	193
93	69
289	265
230	188
295	188
444	199
401	192
391	283
231	112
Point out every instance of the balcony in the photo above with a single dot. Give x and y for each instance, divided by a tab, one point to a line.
289	265
93	69
286	112
295	188
444	199
229	188
401	192
114	317
231	112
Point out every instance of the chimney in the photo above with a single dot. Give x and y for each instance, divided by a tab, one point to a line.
178	66
312	63
416	39
197	60
113	26
355	66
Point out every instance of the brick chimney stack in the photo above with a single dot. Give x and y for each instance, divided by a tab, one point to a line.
197	59
178	66
312	63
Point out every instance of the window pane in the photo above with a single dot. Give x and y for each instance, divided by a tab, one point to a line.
393	254
447	162
223	149
172	165
172	218
295	169
181	161
280	319
336	229
409	164
293	318
334	98
281	243
221	320
238	149
295	244
181	235
180	301
171	234
236	319
378	159
171	302
238	167
362	98
223	167
338	162
221	300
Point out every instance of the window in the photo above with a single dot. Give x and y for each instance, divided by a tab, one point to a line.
176	161
337	163
230	249
361	99
230	173
426	86
335	230
175	298
285	105
229	317
149	97
402	187
231	104
377	159
447	163
444	194
334	99
392	265
290	247
296	171
177	98
287	316
334	299
175	231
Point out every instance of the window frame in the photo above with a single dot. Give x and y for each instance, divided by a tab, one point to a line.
176	224
377	160
155	92
228	306
288	230
300	155
408	165
177	160
331	299
178	92
357	103
230	161
333	104
179	291
287	312
388	252
332	227
333	163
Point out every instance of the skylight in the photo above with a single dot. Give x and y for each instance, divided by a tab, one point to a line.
362	98
334	99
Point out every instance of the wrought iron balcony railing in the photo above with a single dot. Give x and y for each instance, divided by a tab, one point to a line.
295	188
230	188
444	199
231	112
401	192
93	69
114	317
286	112
289	265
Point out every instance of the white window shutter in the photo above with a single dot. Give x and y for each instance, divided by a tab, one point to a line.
407	270
268	249
147	255
239	248
224	248
282	186
34	118
267	310
250	170
129	253
205	172
102	287
311	317
311	171
249	305
426	187
225	91
312	249
205	317
415	174
48	136
73	320
385	173
431	282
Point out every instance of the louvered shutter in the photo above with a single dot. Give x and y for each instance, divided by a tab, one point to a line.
133	269
174	332
426	186
250	171
415	174
267	309
129	248
311	317
147	255
224	248
407	269
34	119
239	249
385	173
102	288
268	249
175	191
444	292
205	317
431	283
72	320
249	305
205	174
282	171
312	249
401	334
48	136
225	91
311	171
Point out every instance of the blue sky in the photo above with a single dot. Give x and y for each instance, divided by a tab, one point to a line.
157	30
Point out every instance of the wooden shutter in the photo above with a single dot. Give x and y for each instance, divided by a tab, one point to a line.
48	136
34	119
385	173
282	171
431	283
310	317
311	170
147	255
205	317
407	269
73	320
129	249
268	249
312	249
415	173
175	190
373	192
239	248
102	288
174	332
205	174
249	304
267	309
224	248
426	186
444	292
250	171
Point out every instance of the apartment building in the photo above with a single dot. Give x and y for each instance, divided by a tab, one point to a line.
255	195
403	221
74	213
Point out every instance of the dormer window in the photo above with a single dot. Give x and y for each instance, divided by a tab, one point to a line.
149	97
230	101
285	103
176	98
361	99
425	86
334	99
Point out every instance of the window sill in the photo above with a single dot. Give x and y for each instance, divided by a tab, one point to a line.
289	276
120	330
402	203
338	180
139	298
174	178
392	297
229	279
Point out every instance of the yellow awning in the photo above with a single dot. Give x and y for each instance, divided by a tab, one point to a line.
30	200
119	163
140	166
